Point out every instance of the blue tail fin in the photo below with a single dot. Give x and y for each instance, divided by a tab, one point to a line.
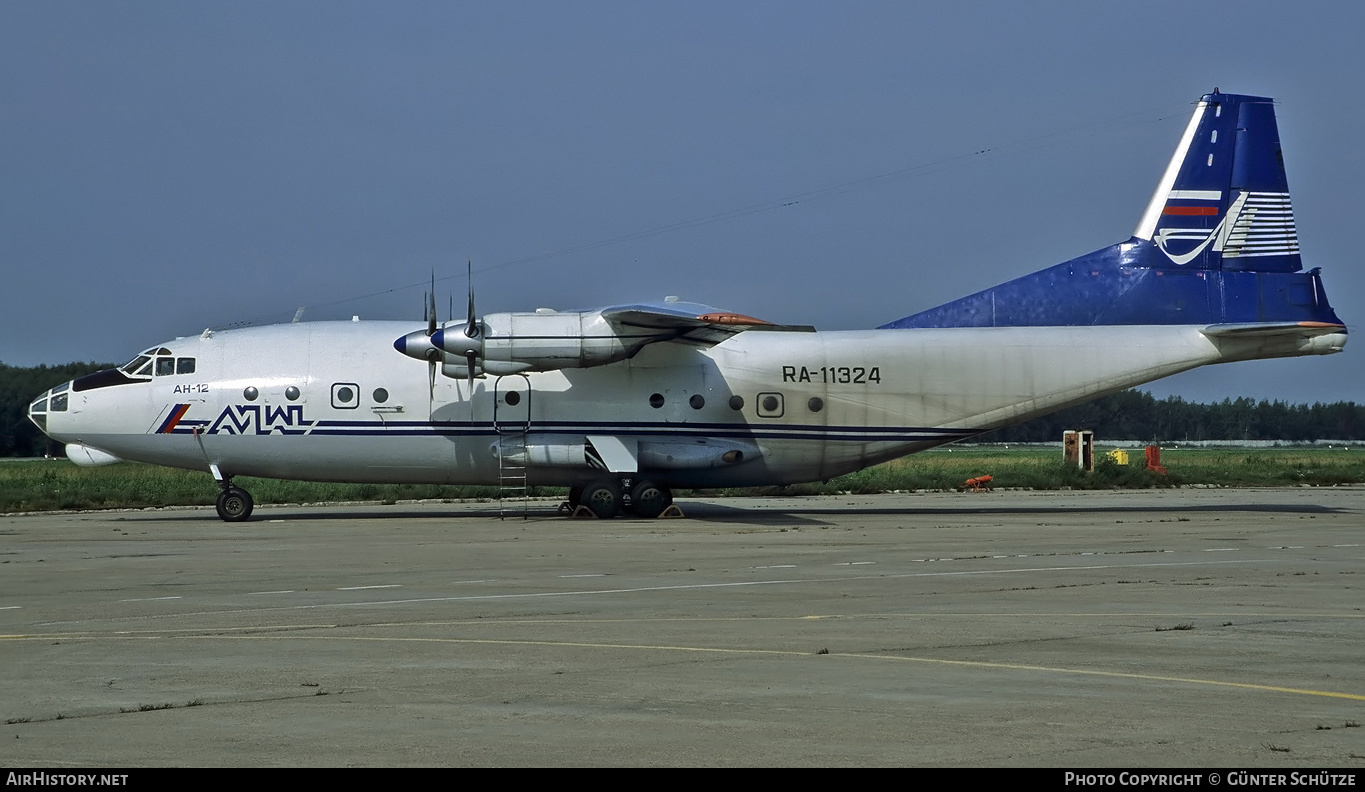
1216	244
1223	202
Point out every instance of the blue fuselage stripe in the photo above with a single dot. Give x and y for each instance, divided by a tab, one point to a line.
579	428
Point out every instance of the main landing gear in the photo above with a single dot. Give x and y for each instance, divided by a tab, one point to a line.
234	503
606	498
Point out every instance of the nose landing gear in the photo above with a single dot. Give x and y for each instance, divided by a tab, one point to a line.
234	503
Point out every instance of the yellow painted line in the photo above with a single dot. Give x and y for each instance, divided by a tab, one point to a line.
1115	674
790	653
772	653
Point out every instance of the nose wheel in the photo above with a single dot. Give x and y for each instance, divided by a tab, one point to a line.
234	504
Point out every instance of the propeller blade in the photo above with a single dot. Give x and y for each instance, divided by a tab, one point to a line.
431	306
469	358
471	328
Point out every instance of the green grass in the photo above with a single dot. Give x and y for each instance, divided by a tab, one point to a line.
42	485
1041	468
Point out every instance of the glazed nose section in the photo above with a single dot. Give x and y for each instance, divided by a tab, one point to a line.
53	401
37	412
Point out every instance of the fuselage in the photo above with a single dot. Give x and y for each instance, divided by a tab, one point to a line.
333	401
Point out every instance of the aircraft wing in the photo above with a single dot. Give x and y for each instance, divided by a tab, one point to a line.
692	321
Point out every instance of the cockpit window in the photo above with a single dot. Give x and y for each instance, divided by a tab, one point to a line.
136	366
165	366
184	365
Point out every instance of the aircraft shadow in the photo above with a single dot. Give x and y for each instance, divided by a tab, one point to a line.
787	515
724	513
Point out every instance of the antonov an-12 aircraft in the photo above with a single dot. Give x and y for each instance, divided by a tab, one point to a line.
624	403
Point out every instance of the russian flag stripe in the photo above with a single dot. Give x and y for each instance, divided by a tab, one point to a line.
173	418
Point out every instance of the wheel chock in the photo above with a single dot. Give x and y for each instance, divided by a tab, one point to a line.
672	512
582	513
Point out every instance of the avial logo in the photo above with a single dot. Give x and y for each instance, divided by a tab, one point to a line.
261	419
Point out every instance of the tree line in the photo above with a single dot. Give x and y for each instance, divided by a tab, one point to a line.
1127	415
1137	415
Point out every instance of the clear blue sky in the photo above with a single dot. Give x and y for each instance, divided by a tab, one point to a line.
172	166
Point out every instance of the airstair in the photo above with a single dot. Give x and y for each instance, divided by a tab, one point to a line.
512	422
512	484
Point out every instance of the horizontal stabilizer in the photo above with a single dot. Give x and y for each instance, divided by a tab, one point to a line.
1283	329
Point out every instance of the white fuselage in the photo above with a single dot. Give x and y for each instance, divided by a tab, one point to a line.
759	408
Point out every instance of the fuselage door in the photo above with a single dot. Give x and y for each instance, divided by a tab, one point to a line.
512	403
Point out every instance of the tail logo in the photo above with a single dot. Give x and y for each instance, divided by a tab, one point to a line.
1257	224
1201	237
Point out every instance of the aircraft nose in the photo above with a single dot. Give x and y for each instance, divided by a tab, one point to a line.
51	401
37	412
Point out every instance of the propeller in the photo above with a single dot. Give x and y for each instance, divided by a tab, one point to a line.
433	355
471	328
433	341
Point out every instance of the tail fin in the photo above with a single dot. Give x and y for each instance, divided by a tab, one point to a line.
1223	202
1216	244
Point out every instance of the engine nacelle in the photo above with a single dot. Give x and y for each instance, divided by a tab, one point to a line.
507	343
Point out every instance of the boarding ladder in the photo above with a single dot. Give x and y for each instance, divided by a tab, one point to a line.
512	423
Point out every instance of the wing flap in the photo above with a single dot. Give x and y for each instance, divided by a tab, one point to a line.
693	321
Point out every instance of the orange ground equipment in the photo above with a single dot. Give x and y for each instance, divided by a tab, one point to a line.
978	484
1154	460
